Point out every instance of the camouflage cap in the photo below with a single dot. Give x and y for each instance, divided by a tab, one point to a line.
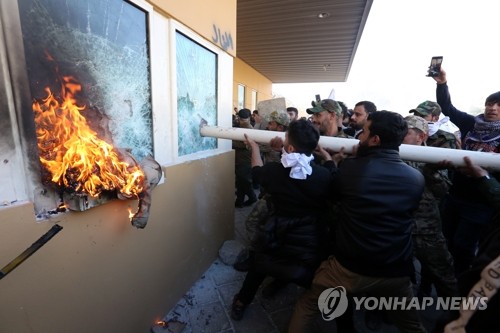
280	117
426	108
417	123
325	105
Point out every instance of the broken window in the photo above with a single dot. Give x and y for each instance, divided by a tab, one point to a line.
196	94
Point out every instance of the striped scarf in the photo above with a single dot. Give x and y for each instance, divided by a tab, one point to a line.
485	136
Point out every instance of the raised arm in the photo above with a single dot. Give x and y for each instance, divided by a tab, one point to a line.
463	120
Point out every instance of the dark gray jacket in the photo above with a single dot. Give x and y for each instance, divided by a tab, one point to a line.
378	194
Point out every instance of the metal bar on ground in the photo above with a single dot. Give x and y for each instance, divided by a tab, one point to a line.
29	251
407	152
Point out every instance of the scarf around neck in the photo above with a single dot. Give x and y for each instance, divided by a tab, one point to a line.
485	136
300	164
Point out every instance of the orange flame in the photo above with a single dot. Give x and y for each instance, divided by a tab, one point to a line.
130	214
73	154
161	323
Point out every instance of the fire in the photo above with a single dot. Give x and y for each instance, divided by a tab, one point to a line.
161	323
73	154
130	214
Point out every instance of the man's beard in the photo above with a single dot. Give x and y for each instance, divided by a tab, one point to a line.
355	126
362	147
318	127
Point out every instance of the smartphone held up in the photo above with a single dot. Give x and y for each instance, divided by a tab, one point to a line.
435	67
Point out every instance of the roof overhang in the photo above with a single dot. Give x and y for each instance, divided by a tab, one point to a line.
287	41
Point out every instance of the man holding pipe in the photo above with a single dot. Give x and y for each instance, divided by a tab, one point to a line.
377	194
428	240
465	214
482	279
326	116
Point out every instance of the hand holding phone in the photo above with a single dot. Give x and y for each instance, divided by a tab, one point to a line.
435	67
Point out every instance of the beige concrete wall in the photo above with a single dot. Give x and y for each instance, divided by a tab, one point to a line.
252	80
100	274
208	18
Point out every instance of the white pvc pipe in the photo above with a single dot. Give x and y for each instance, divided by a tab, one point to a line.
407	152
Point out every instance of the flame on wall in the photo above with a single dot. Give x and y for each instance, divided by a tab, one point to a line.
72	152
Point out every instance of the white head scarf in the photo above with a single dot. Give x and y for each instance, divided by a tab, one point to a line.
444	124
300	164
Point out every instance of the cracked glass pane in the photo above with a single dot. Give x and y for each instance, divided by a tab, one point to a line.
102	45
196	94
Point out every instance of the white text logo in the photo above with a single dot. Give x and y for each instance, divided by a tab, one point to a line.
333	303
414	303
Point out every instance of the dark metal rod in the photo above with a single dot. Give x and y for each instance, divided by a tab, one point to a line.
30	250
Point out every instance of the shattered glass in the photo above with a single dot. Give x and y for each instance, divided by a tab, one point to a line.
103	44
196	94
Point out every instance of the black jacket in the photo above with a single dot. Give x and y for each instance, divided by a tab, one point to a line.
463	187
378	194
291	249
292	242
489	250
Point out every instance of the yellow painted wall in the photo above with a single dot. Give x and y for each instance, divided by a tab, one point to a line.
100	274
203	17
251	79
209	17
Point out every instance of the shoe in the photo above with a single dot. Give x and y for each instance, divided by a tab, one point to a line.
250	202
273	288
244	266
237	308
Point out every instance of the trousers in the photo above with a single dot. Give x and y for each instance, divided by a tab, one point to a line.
332	274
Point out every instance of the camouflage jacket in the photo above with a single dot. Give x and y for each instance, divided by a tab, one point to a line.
442	139
427	216
342	134
269	154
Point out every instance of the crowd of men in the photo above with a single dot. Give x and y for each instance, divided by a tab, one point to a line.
361	219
